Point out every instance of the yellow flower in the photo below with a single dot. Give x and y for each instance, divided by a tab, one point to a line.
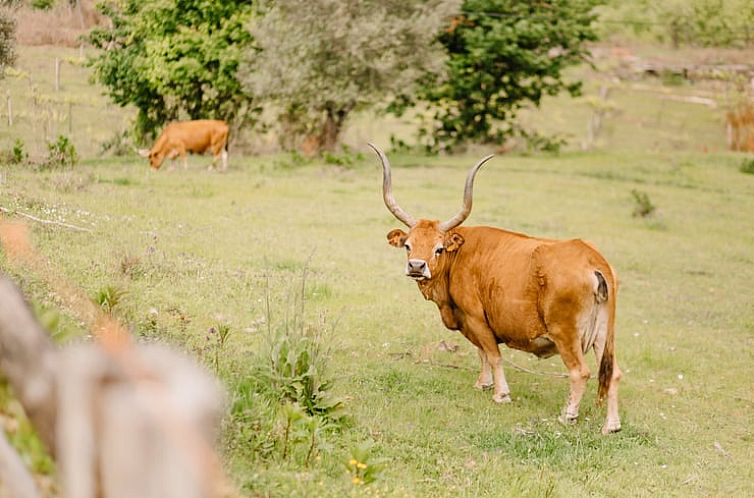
356	480
361	465
352	462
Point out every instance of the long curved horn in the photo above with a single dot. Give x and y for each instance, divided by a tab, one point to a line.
387	190
468	193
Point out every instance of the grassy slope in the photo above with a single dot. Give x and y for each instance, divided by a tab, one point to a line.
203	245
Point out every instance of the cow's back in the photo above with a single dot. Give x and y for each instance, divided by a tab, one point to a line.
199	135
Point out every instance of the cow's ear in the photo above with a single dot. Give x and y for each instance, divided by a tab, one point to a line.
453	242
396	238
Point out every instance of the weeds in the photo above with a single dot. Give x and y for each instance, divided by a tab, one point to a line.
217	337
346	158
60	154
16	155
117	145
361	466
108	298
643	205
286	401
747	166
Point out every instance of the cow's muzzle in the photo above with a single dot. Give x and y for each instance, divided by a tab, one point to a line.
417	269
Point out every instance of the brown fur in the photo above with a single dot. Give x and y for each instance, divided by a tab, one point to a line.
182	137
498	286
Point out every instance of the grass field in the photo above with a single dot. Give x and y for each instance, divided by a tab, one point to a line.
191	249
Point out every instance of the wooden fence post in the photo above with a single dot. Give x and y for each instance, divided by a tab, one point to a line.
10	109
57	74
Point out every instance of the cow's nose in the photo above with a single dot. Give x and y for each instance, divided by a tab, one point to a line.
416	266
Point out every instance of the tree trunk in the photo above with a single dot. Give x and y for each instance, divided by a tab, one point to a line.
332	127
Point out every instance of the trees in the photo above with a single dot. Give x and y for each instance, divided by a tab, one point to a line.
174	58
322	59
7	35
503	55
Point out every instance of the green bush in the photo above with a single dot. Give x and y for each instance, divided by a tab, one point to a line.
747	166
60	154
644	206
284	407
16	155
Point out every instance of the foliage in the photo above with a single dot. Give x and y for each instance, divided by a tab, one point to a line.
347	157
42	4
117	145
644	206
16	155
362	467
174	59
60	154
747	166
503	55
108	298
217	337
287	401
317	71
706	23
7	35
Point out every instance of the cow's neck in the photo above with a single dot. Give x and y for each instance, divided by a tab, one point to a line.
437	290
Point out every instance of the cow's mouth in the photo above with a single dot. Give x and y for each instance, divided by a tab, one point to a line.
418	276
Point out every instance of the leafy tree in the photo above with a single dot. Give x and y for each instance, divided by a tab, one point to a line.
504	55
174	58
7	34
322	59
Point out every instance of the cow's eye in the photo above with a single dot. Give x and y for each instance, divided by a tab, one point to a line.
408	247
439	251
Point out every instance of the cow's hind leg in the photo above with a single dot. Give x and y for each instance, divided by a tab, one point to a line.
612	422
569	346
484	381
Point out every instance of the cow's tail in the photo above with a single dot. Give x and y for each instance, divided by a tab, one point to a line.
606	296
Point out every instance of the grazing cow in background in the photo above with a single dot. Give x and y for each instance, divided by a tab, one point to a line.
181	137
536	295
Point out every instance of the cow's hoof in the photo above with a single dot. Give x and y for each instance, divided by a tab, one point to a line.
568	419
502	398
610	428
482	386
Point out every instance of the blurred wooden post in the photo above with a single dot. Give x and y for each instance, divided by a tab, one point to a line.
28	360
595	120
10	109
57	74
16	480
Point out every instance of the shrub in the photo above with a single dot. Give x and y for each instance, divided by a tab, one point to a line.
361	466
60	154
747	166
285	405
108	298
117	145
18	152
644	206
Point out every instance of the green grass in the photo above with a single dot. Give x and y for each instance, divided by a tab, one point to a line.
684	310
188	250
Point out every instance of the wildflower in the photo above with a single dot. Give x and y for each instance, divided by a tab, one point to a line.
357	480
352	462
361	465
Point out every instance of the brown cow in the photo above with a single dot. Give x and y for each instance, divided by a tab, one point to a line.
537	295
198	136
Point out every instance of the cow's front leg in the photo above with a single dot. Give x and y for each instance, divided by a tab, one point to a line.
486	339
484	381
